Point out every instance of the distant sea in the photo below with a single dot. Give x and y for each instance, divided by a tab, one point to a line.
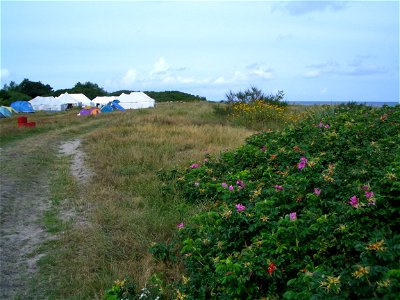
369	103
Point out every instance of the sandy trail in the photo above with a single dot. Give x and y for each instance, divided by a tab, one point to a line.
24	197
78	168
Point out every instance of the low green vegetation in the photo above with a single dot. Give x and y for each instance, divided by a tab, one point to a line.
308	212
105	227
190	201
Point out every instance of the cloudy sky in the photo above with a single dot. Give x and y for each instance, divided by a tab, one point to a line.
312	50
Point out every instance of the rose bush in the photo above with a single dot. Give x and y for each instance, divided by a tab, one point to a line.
308	212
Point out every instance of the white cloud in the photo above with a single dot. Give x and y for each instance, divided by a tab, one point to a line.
251	72
358	67
239	76
160	67
262	73
4	73
297	8
312	74
184	80
168	79
130	77
220	80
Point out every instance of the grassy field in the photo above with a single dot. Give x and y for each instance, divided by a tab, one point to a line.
104	228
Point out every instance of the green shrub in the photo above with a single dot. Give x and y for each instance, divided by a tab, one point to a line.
121	289
309	212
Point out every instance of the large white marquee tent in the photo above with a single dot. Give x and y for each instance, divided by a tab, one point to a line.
135	100
102	100
66	98
47	104
82	99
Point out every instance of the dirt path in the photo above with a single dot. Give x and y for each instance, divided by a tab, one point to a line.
24	197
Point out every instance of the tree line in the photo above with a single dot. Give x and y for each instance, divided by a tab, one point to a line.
27	90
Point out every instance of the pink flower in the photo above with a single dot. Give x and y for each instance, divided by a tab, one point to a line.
279	188
301	165
365	187
317	191
303	162
353	201
327	126
224	185
369	194
240	207
231	187
320	124
240	183
194	166
263	148
180	225
293	216
371	203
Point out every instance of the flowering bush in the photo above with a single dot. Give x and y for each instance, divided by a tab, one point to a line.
309	212
260	114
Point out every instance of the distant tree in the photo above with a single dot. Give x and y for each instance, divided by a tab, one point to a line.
15	96
91	90
10	87
57	93
174	96
117	93
33	88
8	97
4	97
253	94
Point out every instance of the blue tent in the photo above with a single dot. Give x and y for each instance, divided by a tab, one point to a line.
111	106
22	106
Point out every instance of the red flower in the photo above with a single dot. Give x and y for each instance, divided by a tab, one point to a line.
271	268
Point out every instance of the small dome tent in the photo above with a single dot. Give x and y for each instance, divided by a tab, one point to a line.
89	111
6	112
111	106
23	107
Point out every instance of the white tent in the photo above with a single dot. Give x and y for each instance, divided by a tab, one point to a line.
67	99
135	100
47	104
82	99
102	100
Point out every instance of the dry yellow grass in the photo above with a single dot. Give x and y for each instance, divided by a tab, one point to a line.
123	207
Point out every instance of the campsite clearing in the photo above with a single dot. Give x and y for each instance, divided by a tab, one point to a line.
73	227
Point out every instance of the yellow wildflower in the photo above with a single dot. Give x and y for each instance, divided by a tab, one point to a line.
361	271
383	283
180	296
378	246
331	284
